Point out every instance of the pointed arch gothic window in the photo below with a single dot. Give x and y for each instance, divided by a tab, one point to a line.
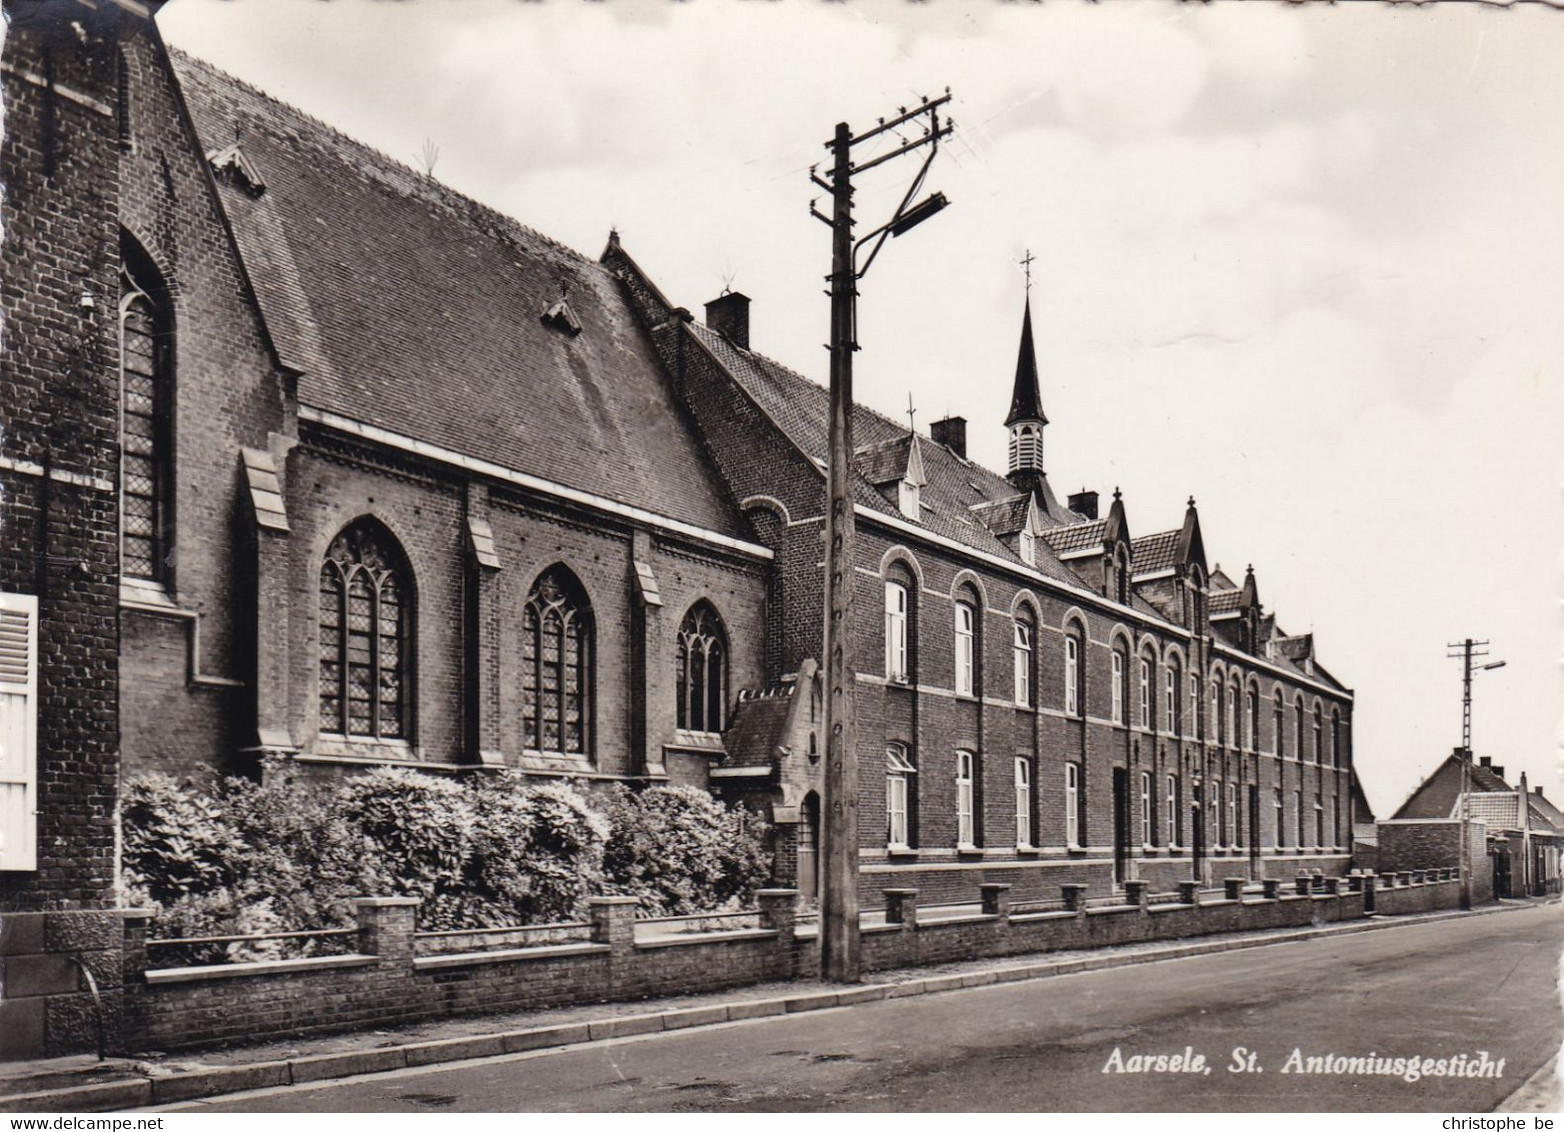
556	666
702	681
146	417
366	597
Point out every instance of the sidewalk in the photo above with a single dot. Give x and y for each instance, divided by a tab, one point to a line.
82	1084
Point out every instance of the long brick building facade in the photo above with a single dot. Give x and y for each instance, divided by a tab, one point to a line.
307	456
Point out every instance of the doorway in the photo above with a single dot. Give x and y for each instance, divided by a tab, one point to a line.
1121	825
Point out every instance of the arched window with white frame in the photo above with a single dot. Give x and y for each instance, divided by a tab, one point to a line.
966	817
966	647
896	667
1319	735
1120	684
1023	788
1252	720
1148	810
899	777
1234	836
1232	713
1021	653
1072	805
1147	705
1074	685
1172	828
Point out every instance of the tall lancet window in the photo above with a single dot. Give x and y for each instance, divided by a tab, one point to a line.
366	595
556	666
146	416
702	679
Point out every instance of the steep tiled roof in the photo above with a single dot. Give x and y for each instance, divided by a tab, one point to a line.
1004	516
1295	648
1544	815
758	729
1155	552
1076	537
412	308
885	462
1225	601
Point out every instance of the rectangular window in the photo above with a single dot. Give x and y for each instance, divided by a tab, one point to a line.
1170	806
1216	816
1072	804
1023	665
1232	716
1023	804
18	732
1194	700
1118	687
1148	834
1297	805
896	632
898	780
1234	837
1145	694
964	817
965	617
1281	832
1319	823
1072	676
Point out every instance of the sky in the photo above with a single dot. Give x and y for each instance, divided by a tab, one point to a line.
1301	262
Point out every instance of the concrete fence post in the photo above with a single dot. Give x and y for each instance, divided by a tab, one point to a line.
1355	882
1189	892
1333	886
1272	887
1135	892
996	899
1301	884
1404	878
779	912
1233	888
1074	897
901	907
1387	880
1419	876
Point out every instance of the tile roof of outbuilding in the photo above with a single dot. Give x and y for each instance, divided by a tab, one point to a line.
1077	536
412	308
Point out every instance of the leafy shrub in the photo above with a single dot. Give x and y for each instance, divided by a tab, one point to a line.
178	840
537	852
682	851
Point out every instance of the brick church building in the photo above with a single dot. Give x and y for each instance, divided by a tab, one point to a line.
305	455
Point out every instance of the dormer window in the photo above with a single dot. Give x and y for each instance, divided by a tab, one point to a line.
908	498
1028	547
560	317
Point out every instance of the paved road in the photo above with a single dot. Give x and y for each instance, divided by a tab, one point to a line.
1458	986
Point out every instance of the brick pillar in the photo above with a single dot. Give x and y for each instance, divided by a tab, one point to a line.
385	927
1387	880
1135	892
1189	892
1418	876
1272	887
646	647
995	898
1233	888
613	922
901	907
1404	878
267	592
136	922
1302	883
1355	882
779	912
1074	897
1333	886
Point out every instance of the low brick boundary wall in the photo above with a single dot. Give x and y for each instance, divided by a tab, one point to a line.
385	981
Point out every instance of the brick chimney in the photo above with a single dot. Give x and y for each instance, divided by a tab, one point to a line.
728	315
1537	790
1084	503
1484	760
952	433
1498	771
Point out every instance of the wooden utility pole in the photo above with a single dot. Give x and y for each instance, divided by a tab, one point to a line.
839	944
1466	651
839	938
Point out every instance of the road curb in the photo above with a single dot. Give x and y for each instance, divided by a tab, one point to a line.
198	1084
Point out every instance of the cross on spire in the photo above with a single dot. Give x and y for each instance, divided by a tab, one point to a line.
912	424
1026	262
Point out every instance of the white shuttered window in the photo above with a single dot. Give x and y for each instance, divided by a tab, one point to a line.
18	732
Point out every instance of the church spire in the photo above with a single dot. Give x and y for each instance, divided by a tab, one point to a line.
1026	402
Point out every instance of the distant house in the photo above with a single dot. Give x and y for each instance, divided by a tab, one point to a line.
1525	829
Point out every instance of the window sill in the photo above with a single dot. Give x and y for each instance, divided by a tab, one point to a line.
1028	851
969	851
1076	850
901	853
